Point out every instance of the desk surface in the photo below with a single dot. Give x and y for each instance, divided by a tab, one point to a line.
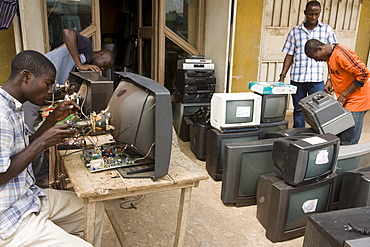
110	184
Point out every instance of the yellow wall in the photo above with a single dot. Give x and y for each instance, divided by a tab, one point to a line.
363	35
247	43
7	51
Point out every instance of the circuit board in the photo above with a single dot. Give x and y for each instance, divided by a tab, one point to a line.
105	157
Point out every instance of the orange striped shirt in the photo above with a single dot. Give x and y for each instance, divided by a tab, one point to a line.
344	68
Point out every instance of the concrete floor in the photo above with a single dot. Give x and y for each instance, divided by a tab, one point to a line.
151	220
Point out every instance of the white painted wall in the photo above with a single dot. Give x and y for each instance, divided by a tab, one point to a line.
217	38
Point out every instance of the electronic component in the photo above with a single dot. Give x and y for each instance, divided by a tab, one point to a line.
111	156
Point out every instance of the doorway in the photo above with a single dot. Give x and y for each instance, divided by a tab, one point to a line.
149	36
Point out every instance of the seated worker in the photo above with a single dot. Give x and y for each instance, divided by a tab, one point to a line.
77	52
29	215
349	79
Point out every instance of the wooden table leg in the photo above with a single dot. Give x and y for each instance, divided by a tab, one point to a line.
182	217
89	222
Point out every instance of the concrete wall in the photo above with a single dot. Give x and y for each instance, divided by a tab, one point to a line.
246	44
363	35
7	51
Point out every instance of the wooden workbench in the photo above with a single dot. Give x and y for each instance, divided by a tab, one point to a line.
105	185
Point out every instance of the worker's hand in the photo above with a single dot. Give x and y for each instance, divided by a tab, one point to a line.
64	109
55	135
342	99
328	87
86	67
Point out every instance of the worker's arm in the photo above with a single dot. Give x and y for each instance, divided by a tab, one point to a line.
343	96
63	110
22	160
288	60
47	135
71	40
328	87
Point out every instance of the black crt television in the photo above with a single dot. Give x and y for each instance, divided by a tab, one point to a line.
215	148
350	157
273	126
355	190
243	164
141	113
283	209
300	160
290	132
273	107
94	89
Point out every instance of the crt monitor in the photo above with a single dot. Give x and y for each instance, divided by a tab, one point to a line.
350	157
95	90
141	113
283	209
216	141
273	108
274	126
301	160
243	164
235	110
290	132
355	190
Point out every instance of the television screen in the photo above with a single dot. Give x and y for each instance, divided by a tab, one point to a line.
302	160
235	110
273	107
283	209
216	142
355	190
243	164
350	157
140	111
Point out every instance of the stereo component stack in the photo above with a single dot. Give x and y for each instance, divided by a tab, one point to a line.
194	80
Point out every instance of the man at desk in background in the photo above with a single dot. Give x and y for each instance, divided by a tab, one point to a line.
305	73
349	79
77	53
29	215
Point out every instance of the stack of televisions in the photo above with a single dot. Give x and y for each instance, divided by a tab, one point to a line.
288	173
194	85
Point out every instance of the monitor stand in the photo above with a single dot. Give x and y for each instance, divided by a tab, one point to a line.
137	171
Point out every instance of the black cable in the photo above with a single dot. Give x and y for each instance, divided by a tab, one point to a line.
353	228
132	205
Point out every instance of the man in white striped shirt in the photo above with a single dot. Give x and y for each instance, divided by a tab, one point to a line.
305	73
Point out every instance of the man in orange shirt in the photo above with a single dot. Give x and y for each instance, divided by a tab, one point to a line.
349	79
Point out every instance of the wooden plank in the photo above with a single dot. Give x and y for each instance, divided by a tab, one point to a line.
342	15
325	11
355	17
89	221
269	10
31	20
333	13
116	227
285	14
182	217
277	13
294	19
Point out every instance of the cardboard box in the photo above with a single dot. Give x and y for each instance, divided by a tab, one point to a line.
263	87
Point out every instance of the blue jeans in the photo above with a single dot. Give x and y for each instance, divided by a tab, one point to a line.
353	134
303	90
